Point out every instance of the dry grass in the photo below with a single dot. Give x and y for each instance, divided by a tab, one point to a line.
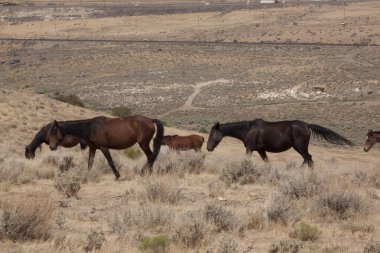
163	189
342	204
172	162
190	229
27	218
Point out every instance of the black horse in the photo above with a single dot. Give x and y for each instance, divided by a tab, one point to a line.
261	136
42	137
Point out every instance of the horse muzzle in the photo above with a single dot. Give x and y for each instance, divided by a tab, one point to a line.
29	156
366	149
210	149
53	148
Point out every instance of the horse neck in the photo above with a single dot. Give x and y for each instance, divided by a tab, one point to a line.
38	139
235	130
82	129
377	136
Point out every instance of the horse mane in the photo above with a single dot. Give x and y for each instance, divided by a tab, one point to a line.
236	129
82	129
39	138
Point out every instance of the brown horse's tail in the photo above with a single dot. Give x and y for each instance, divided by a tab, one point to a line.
329	135
157	140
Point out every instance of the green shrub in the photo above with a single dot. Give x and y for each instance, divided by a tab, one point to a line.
133	153
203	130
94	240
305	232
285	246
70	99
155	244
121	111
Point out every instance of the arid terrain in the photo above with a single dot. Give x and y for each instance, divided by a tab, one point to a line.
190	65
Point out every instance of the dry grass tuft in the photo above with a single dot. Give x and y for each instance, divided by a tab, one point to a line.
227	244
341	203
372	247
281	209
94	240
256	219
28	218
68	184
146	216
245	172
304	185
163	190
285	246
223	219
190	229
170	161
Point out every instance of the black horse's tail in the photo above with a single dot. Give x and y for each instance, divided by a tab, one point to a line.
329	135
157	140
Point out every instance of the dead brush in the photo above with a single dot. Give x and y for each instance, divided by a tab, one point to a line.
279	208
221	218
245	172
302	186
227	244
372	247
190	229
146	216
94	241
120	222
28	218
163	190
371	179
256	219
170	161
341	203
16	172
68	184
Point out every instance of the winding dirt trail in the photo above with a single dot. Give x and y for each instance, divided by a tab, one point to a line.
188	105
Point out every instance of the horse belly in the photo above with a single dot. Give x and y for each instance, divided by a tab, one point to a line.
113	140
276	144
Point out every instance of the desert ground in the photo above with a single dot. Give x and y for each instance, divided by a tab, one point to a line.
190	64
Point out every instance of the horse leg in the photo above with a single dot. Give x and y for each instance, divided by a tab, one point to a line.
263	155
91	155
303	150
108	156
145	147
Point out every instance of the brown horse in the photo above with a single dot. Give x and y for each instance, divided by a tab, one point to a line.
261	136
184	142
111	133
372	138
41	137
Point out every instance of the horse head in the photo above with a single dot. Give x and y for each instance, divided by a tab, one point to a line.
167	139
215	137
29	154
55	136
370	141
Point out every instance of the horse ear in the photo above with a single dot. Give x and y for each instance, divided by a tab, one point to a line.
217	125
370	132
55	123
